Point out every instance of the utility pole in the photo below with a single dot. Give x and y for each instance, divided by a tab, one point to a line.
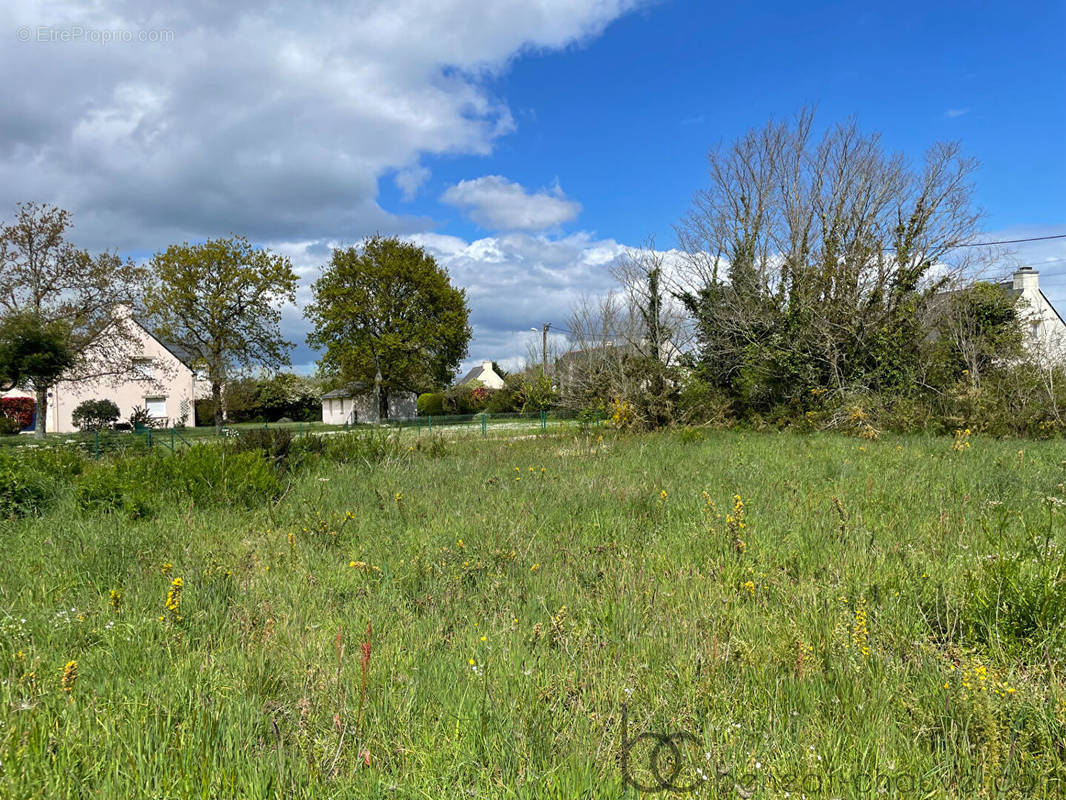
544	349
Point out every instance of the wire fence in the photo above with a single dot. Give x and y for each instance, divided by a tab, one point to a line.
145	439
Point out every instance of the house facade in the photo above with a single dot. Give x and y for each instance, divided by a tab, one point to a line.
1044	328
162	382
485	375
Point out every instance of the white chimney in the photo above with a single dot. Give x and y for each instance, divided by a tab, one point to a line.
1026	279
487	366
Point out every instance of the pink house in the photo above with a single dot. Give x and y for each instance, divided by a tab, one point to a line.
163	382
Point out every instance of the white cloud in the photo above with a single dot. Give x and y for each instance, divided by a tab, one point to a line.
410	180
952	113
275	121
517	281
496	203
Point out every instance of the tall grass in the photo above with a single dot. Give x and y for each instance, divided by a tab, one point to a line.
472	618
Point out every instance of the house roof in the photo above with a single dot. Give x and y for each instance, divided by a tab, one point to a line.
351	390
472	375
179	352
1009	287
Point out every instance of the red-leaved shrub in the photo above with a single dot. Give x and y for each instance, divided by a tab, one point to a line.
19	409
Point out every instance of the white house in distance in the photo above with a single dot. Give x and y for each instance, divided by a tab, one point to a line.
355	404
163	382
486	375
1045	328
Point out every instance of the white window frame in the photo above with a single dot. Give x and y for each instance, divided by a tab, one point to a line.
162	400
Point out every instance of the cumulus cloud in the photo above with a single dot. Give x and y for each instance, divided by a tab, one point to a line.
276	121
496	203
410	180
518	281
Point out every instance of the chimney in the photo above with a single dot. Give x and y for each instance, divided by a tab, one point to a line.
1025	279
487	366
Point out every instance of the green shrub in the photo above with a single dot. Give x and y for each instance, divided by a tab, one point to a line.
23	490
371	447
60	464
9	426
212	474
94	415
114	487
459	400
275	445
502	401
431	404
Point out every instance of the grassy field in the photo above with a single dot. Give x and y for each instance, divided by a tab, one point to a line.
556	616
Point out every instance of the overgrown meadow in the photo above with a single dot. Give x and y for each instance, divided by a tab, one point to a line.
573	614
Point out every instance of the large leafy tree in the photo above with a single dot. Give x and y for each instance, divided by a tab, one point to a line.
33	352
220	301
69	293
386	314
812	257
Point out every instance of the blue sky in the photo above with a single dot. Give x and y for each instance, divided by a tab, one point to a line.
625	121
524	142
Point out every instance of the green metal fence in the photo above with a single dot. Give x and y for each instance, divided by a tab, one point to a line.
99	443
486	423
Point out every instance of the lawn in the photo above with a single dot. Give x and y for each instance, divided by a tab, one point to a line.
560	615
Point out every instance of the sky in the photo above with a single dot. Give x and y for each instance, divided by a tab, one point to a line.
524	143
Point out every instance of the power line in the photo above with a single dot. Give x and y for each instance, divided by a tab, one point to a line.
1015	241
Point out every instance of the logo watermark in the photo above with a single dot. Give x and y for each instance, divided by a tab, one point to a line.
69	34
675	762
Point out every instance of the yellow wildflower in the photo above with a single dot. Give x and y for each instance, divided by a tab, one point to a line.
174	598
70	677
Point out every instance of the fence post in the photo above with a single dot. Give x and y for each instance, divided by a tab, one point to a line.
345	426
149	431
96	444
171	440
543	420
299	430
431	423
483	425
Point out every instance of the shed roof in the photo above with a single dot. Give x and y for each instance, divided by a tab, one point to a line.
351	390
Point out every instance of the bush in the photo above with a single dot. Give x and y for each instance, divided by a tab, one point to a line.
431	404
9	426
113	487
458	400
274	444
213	474
140	417
24	490
371	447
94	415
502	401
19	409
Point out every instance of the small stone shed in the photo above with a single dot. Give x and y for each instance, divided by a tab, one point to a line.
355	404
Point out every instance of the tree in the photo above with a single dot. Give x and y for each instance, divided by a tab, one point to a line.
43	274
221	302
626	343
974	329
810	260
34	353
94	415
386	315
